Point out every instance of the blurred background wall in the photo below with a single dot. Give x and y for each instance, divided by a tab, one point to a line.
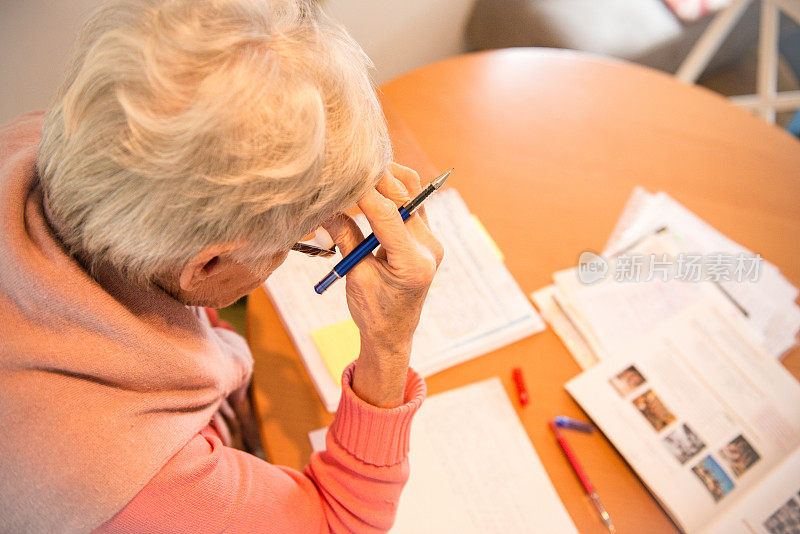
36	35
400	35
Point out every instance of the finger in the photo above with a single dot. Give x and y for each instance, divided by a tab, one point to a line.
434	246
410	179
414	260
424	237
344	231
428	240
395	190
392	188
387	224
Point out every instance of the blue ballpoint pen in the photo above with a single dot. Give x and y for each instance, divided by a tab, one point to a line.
371	242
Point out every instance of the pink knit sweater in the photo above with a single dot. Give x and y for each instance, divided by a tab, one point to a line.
107	390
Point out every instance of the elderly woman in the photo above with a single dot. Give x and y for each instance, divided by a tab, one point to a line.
192	143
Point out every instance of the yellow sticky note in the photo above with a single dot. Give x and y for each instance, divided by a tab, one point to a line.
482	230
338	344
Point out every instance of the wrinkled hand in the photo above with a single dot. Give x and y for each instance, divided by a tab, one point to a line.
386	290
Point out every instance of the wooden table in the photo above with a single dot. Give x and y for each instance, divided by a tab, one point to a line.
547	146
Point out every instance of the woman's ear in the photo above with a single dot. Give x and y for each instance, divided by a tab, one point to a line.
205	264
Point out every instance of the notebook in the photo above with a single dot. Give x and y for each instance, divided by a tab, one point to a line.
474	469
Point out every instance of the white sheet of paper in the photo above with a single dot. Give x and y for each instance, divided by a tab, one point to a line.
474	305
474	469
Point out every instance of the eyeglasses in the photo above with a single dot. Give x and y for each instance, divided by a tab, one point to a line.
313	250
310	249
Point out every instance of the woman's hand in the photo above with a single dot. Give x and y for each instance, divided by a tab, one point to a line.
386	290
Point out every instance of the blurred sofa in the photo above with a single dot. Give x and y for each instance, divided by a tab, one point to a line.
644	31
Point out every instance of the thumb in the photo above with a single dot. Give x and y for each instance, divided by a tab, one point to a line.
344	231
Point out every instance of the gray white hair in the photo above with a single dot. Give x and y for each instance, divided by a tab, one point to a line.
185	123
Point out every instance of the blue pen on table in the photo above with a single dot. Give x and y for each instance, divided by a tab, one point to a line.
371	243
573	424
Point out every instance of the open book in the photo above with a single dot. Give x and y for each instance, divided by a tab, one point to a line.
708	419
474	305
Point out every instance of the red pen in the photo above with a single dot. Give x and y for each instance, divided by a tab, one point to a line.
522	393
585	482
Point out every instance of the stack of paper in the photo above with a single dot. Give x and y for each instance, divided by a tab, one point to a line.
473	307
473	469
679	329
660	259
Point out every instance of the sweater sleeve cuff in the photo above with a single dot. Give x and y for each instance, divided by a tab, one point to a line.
377	436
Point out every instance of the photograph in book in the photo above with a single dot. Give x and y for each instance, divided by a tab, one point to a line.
739	455
651	407
627	380
786	519
716	481
683	443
